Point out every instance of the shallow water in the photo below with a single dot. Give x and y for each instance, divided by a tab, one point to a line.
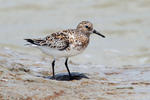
27	77
125	24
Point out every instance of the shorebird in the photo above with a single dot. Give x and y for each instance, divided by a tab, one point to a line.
65	43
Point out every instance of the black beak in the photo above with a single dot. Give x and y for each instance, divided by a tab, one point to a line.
94	31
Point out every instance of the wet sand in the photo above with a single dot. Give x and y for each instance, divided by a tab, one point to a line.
26	77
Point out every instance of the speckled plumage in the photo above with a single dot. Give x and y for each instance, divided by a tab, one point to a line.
71	41
66	43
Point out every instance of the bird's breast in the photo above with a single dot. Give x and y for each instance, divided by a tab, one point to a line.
79	42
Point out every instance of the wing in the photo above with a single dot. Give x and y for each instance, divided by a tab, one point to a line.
58	40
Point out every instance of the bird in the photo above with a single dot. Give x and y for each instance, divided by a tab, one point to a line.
65	43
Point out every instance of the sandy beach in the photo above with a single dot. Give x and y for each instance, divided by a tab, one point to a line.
26	77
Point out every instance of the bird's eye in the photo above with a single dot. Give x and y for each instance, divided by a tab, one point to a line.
87	26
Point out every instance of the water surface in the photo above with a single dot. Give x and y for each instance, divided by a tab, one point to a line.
125	24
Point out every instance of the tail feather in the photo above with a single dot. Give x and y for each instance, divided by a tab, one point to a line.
30	41
33	41
37	42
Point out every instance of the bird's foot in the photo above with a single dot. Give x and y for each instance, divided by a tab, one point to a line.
71	77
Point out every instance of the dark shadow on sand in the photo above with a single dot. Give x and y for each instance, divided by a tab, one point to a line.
65	76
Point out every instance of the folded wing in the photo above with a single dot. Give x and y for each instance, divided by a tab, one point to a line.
57	40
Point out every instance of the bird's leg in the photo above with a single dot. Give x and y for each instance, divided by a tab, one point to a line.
66	64
53	65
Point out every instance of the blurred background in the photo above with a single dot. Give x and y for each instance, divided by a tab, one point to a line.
125	23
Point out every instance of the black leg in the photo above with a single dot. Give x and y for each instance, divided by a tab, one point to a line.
66	64
53	65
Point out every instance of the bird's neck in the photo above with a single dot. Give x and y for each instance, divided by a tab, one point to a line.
85	33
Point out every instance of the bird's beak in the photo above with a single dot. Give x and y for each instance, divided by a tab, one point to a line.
94	31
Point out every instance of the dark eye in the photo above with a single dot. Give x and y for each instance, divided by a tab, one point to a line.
87	26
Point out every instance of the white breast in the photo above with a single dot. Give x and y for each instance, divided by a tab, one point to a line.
57	54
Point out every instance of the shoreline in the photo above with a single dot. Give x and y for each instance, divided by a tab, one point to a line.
19	80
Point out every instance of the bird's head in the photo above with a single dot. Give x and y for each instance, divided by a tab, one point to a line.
87	28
